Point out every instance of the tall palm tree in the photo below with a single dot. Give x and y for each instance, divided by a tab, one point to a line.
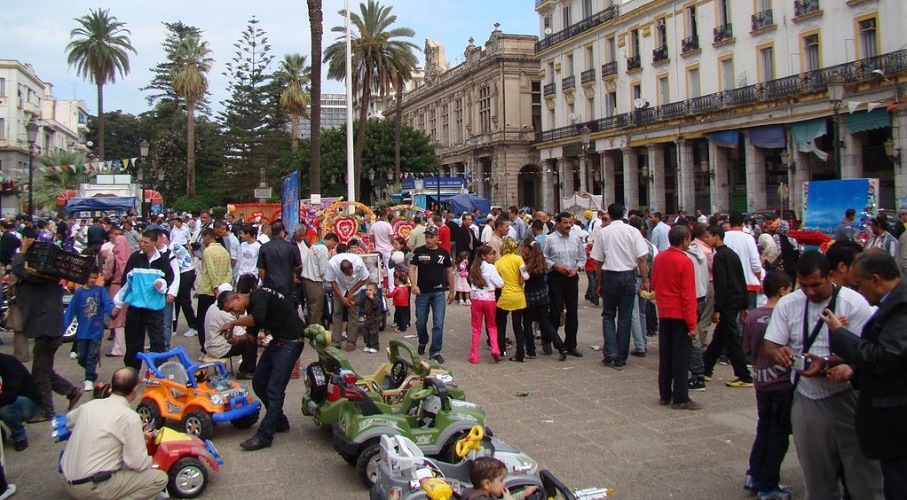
98	49
294	75
376	51
191	63
316	23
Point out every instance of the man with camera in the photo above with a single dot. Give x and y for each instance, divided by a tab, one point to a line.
822	418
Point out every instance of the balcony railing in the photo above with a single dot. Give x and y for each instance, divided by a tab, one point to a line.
689	44
724	32
549	89
805	7
609	13
762	20
568	83
609	69
587	76
633	62
660	54
892	63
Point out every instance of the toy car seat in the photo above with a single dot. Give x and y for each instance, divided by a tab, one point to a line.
174	371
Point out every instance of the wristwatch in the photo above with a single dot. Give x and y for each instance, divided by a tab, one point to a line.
824	370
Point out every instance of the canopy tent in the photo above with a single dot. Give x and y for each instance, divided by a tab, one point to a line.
580	201
109	204
467	203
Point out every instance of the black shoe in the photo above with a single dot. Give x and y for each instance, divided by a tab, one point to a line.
530	356
562	356
619	365
254	443
516	360
546	349
21	445
607	360
651	334
438	358
697	384
638	354
421	348
283	425
594	301
574	353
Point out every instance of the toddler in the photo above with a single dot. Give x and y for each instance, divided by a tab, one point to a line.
370	317
401	296
463	287
487	477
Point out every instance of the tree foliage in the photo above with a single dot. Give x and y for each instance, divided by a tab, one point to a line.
162	73
192	62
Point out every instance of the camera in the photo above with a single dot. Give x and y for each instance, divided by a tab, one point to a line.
801	362
196	246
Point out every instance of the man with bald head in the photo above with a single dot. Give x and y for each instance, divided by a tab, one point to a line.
346	274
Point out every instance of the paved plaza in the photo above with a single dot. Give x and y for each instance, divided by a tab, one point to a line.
589	424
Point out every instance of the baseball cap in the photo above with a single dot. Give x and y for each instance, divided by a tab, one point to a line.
431	230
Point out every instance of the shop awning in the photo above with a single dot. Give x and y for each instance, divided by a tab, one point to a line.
726	138
771	136
804	134
871	120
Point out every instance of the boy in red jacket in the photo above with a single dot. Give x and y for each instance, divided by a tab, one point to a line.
674	283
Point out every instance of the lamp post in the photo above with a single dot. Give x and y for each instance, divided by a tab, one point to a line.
836	95
585	135
31	131
140	173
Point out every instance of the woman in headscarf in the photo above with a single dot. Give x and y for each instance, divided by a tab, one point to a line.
114	265
513	300
788	247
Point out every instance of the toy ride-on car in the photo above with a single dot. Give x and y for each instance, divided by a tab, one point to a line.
387	386
428	416
185	458
198	395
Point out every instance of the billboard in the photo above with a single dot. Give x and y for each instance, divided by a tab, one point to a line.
289	200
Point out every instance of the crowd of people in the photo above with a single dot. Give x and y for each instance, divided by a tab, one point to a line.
805	328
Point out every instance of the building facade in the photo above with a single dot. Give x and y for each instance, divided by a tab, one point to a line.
482	116
333	115
719	105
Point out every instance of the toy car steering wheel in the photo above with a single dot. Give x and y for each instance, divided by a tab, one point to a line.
201	374
422	393
399	370
470	441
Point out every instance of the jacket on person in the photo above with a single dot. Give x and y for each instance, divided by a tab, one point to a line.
140	275
879	359
40	301
729	280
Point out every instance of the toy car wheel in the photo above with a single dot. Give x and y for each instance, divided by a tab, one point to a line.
188	478
316	383
349	458
449	450
199	424
367	464
399	371
245	422
151	414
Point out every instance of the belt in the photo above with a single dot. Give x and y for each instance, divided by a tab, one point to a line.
700	300
98	477
620	272
280	341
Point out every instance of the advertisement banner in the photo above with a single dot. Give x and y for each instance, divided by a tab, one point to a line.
289	201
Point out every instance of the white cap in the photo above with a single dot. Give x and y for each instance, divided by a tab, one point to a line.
224	287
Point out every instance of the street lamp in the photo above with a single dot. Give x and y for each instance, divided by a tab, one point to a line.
31	131
836	95
140	173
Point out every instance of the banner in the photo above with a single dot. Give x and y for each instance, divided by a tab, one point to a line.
289	201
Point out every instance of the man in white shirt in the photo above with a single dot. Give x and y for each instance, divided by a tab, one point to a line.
228	240
382	234
744	245
313	271
180	233
247	260
822	419
347	274
303	247
659	233
107	457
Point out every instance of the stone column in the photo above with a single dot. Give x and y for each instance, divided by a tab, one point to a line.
583	170
755	175
851	153
799	174
568	165
687	181
899	137
656	153
718	178
608	181
631	178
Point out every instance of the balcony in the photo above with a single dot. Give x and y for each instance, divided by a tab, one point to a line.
549	89
781	88
568	83
660	54
609	69
763	20
587	76
633	62
805	7
609	13
724	32
689	44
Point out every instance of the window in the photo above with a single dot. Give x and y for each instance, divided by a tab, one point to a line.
727	73
811	53
445	123
485	109
458	116
590	58
566	16
546	24
763	5
664	91
636	91
767	63
432	125
590	108
724	12
587	8
81	119
2	86
611	104
661	33
536	105
690	21
568	70
551	70
868	42
610	50
2	128
693	88
634	42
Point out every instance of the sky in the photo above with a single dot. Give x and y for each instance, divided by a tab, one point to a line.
38	34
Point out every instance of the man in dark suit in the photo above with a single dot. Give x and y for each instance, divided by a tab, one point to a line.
877	365
464	238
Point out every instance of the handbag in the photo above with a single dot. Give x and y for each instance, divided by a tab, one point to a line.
537	297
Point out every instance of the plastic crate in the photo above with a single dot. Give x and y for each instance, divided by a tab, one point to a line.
49	259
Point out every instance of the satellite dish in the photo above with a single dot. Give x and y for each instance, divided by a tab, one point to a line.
640	103
573	117
548	30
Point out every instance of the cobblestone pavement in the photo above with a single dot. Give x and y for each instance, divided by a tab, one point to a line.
589	424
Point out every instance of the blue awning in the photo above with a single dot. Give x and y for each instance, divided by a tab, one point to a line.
860	122
726	138
770	136
804	135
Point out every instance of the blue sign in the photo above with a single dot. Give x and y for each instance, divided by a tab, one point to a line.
450	183
289	200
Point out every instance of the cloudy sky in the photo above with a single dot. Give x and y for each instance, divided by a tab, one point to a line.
38	33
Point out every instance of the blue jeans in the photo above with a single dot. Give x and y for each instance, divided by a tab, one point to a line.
88	357
638	323
619	290
772	437
168	325
270	383
15	413
438	304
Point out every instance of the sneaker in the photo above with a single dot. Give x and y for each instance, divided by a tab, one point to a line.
88	386
10	491
689	405
421	349
21	445
468	302
723	360
697	384
438	358
73	355
372	350
780	493
749	484
739	383
707	378
366	349
192	332
343	336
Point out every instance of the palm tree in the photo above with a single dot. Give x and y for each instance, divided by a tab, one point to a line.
191	63
54	182
98	49
316	23
294	75
375	55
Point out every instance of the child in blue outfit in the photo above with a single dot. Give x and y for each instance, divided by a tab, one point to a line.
89	306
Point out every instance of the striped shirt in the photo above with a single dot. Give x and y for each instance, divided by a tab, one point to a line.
568	251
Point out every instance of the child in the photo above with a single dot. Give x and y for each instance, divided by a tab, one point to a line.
774	398
484	278
463	287
487	477
400	294
90	304
370	317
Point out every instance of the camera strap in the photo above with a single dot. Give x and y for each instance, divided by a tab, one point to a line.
810	337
